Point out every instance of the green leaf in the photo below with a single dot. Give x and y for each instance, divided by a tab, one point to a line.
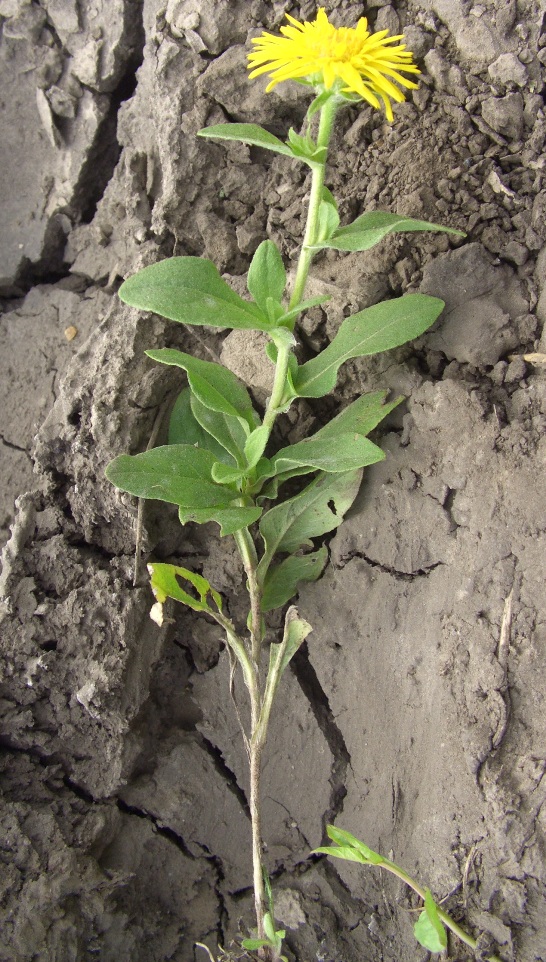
251	134
224	474
318	103
216	387
366	855
376	329
184	429
223	428
305	148
266	275
319	508
328	217
229	519
281	582
344	852
301	307
370	228
176	473
164	583
253	944
191	291
429	930
269	927
255	445
333	454
329	447
362	416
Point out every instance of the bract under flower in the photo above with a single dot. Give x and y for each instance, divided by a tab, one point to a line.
350	60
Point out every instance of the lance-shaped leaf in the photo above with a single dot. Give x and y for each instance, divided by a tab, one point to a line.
359	418
251	134
185	429
362	416
213	385
191	291
281	582
429	930
335	453
370	228
266	276
176	473
319	508
223	428
328	218
376	329
164	581
298	309
362	852
229	519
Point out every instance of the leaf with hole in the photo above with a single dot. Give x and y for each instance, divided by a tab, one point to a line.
190	290
371	331
319	508
164	581
370	228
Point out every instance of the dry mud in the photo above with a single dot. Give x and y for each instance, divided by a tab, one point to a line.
415	714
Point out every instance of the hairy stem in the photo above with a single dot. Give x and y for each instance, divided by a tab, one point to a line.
260	702
247	551
256	820
327	116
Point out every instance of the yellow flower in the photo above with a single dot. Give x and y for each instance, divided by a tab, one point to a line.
350	60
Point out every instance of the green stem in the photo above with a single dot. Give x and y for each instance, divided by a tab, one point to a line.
327	116
260	704
446	919
247	551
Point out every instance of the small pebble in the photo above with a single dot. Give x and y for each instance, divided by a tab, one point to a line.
70	332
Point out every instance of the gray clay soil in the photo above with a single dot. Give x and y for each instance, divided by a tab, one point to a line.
414	716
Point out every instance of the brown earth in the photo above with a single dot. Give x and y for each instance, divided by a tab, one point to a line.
414	717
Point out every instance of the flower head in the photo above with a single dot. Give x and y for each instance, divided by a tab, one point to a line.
349	60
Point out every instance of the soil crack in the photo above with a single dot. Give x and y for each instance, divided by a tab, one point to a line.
389	569
226	772
164	830
310	685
